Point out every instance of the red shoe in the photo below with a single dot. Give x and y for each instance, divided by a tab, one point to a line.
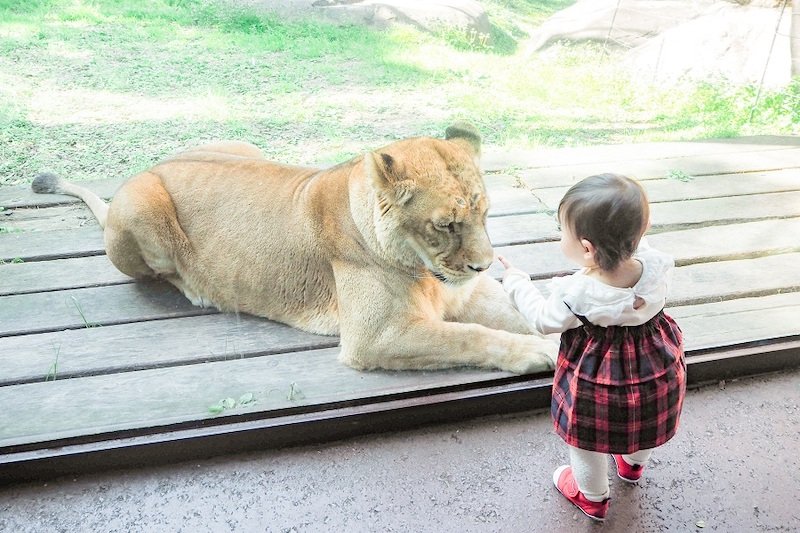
626	472
566	485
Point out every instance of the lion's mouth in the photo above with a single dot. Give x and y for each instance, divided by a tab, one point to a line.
452	279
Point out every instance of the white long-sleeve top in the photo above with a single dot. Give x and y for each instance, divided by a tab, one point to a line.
601	304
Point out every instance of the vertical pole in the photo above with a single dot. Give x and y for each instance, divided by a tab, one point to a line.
769	55
611	28
794	38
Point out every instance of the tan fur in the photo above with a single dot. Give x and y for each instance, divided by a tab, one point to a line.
352	250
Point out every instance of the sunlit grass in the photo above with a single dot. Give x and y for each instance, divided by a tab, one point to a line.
102	88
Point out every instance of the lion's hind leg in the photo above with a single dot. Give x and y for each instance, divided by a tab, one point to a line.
144	239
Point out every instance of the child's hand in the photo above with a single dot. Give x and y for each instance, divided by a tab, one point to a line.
504	262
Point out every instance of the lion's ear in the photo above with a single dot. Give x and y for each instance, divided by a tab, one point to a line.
387	176
465	134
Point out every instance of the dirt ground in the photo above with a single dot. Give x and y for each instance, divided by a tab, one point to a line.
733	467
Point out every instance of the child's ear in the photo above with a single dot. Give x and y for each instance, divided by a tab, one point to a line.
588	250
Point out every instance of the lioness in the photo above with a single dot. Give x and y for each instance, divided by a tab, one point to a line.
387	250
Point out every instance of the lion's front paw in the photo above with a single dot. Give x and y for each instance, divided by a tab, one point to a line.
550	350
539	356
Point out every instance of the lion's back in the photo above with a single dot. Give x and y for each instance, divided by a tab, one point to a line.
254	248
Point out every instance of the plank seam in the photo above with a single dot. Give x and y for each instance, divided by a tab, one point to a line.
211	358
81	325
21	292
736	296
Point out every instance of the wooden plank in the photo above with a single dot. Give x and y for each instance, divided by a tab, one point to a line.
62	409
507	195
77	308
714	282
734	241
111	349
59	274
20	196
503	159
739	321
47	245
695	284
49	218
646	169
671	190
698	245
669	215
519	229
725	210
751	238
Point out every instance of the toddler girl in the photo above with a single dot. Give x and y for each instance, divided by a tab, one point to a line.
620	376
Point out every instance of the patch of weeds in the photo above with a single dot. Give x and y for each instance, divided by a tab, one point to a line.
497	41
231	403
86	323
679	175
5	229
15	261
52	372
463	38
24	6
294	393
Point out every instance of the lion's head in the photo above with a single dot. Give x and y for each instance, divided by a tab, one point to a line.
431	203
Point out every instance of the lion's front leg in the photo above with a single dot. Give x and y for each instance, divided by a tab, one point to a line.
405	330
488	304
438	344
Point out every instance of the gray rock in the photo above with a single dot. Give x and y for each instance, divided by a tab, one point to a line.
426	15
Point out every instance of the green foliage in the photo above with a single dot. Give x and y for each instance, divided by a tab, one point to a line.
102	88
23	6
231	403
679	175
52	371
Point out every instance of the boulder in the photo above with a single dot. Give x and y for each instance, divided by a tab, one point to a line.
666	40
427	15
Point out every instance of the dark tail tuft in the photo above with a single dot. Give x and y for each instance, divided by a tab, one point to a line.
46	183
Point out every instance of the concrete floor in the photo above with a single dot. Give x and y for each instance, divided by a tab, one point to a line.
733	467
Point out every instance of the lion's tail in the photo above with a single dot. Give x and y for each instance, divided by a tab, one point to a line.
50	183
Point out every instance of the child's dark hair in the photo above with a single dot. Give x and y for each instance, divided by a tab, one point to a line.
611	212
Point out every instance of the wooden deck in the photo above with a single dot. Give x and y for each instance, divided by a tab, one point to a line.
97	371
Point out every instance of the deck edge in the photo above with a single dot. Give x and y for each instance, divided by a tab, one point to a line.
164	447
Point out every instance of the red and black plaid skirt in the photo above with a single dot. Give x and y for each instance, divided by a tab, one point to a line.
619	389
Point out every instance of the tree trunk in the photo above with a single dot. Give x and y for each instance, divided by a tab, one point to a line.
794	38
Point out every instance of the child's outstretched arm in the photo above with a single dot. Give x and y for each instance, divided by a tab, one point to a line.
546	315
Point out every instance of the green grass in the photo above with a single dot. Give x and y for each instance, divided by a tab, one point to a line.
102	88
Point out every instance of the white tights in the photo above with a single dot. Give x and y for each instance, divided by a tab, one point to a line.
590	470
